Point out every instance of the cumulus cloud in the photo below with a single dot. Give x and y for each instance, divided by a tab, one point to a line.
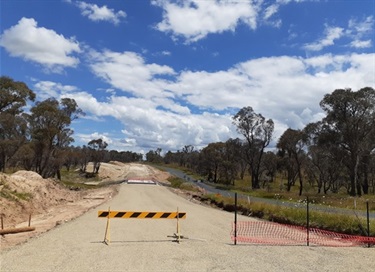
128	71
194	19
86	138
40	45
195	107
278	87
96	13
47	89
145	126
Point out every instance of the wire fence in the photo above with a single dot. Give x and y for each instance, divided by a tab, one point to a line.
271	233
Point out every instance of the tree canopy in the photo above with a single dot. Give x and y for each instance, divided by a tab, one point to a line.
334	153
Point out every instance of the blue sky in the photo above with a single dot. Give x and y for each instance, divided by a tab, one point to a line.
165	74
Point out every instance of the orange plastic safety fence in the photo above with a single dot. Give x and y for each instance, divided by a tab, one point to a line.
271	233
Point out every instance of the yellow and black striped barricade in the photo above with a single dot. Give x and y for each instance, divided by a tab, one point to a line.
141	215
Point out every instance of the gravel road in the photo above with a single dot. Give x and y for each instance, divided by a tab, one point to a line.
144	245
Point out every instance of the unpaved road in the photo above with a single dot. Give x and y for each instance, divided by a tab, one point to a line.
143	245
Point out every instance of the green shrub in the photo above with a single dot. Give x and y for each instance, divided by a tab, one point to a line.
175	182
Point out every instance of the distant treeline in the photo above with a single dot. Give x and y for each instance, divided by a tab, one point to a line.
335	153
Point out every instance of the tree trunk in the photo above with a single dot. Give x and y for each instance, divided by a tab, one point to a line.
299	174
365	185
215	174
365	182
58	174
254	179
300	182
2	163
354	177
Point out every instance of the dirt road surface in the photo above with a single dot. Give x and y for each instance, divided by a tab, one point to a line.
144	245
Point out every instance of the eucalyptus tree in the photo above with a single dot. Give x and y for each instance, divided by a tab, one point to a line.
210	161
236	150
291	145
169	157
13	126
235	163
257	132
269	167
154	156
326	159
72	157
350	119
24	157
97	147
123	156
187	156
49	123
14	95
84	158
372	171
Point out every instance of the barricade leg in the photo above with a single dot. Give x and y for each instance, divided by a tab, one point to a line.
177	235
107	239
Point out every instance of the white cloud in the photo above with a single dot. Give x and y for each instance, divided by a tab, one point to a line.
286	89
361	44
360	28
40	45
128	71
47	89
218	90
86	138
103	13
195	19
331	34
270	10
166	53
145	126
359	32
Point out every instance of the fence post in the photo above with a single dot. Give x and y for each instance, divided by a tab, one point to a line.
235	218
368	224
307	222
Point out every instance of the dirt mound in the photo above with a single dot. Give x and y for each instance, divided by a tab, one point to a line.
26	192
50	203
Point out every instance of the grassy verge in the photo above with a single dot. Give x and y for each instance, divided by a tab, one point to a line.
181	184
74	181
348	224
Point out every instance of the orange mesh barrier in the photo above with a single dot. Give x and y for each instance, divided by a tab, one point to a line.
271	233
